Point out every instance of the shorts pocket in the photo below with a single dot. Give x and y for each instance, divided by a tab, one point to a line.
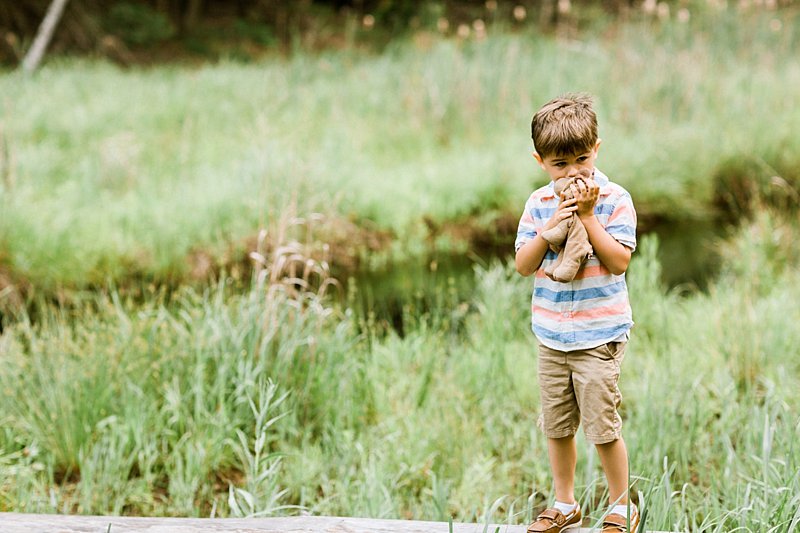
616	350
609	350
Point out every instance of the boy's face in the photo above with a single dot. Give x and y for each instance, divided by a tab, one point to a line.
568	165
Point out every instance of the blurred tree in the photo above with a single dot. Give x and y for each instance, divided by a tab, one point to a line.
85	25
43	35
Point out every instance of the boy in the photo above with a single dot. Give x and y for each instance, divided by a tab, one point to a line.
581	325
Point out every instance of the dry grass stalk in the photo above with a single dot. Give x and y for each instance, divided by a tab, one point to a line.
290	259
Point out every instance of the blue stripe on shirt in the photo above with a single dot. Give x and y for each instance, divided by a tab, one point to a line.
568	337
623	229
581	294
546	213
603	209
542	213
550	255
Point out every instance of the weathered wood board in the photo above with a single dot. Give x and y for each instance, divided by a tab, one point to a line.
38	523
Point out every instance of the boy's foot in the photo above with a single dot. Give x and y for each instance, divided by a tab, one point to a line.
554	521
617	523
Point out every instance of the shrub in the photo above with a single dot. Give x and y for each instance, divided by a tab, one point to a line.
138	24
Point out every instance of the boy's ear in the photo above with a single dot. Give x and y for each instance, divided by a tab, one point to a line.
597	147
538	159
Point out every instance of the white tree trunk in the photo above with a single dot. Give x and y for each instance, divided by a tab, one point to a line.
43	35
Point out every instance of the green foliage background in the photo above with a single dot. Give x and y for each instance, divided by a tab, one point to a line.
125	174
240	397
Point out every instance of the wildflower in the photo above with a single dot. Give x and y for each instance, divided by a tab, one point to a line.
663	10
442	25
683	15
649	6
368	21
564	6
463	31
520	13
491	5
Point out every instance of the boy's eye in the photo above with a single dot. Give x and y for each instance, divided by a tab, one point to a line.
582	158
560	165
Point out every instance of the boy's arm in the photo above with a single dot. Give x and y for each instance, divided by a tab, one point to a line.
531	254
612	253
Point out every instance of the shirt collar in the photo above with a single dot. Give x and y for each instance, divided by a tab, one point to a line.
601	179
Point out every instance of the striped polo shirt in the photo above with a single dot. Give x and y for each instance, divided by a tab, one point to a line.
593	309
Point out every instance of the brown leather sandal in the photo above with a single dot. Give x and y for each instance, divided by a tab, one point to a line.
554	521
615	523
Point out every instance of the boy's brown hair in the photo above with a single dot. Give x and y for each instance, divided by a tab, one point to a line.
565	125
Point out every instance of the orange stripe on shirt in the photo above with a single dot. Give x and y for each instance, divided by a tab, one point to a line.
585	272
588	314
618	212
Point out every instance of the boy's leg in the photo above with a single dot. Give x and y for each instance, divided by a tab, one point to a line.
563	458
614	458
596	376
560	419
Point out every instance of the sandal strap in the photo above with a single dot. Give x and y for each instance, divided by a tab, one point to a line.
617	522
547	519
551	514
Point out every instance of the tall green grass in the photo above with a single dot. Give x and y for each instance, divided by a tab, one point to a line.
217	403
124	174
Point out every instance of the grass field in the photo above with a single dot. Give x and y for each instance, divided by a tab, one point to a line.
224	404
124	175
237	398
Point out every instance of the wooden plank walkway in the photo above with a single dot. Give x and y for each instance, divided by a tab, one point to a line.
38	523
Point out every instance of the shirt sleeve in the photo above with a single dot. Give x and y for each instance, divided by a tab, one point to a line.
622	221
526	230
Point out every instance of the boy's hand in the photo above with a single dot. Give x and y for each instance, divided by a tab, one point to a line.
563	212
586	192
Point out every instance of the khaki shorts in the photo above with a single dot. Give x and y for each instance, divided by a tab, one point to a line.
580	387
